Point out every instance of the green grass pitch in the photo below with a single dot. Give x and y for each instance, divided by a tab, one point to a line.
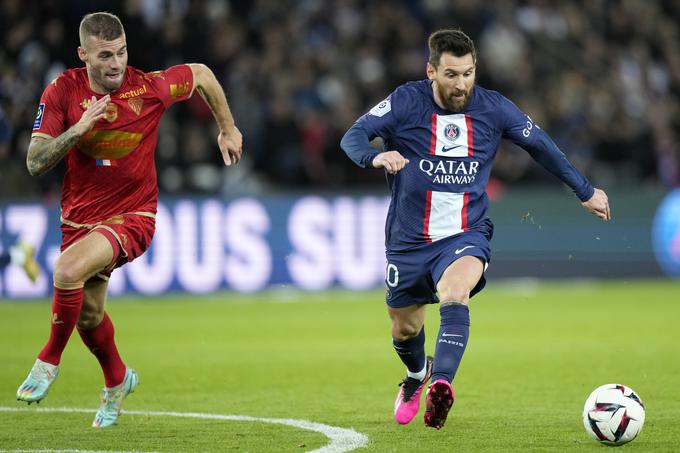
535	353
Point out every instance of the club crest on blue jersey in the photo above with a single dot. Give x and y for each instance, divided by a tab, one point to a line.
39	117
451	132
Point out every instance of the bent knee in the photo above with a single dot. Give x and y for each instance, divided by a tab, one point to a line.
403	331
454	293
68	272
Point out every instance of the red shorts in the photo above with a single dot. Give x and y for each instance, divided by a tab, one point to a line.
129	234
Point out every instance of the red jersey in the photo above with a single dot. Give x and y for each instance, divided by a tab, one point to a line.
111	170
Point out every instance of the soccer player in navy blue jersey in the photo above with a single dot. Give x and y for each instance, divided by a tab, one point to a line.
440	139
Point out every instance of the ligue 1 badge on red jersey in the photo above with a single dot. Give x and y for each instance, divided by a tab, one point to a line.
111	112
39	117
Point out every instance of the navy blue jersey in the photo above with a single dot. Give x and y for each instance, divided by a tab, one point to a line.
442	191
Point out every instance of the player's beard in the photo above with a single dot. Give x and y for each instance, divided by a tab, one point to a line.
107	83
451	102
110	84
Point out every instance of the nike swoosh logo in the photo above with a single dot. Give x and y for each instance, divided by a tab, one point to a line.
450	335
459	251
449	148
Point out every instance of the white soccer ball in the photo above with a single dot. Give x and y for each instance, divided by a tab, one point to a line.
613	414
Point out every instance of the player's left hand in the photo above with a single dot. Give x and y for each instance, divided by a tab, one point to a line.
230	142
598	204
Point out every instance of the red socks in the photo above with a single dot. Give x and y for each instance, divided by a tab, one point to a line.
100	342
66	304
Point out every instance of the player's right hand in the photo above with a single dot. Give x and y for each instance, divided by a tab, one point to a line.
392	161
230	142
94	112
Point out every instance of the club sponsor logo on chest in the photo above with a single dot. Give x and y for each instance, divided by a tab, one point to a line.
107	145
450	171
133	93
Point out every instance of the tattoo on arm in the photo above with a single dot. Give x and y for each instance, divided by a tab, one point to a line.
213	102
44	154
213	95
204	95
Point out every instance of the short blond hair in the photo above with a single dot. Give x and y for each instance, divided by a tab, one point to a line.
101	25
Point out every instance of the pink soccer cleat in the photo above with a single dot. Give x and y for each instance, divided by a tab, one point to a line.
408	399
438	402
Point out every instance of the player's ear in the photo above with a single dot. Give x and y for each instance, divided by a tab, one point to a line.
431	71
82	54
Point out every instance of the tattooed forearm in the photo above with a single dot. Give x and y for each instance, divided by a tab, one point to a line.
44	154
213	94
206	96
216	100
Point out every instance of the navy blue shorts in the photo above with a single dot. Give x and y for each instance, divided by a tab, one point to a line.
412	276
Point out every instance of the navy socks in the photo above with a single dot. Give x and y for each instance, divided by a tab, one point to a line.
412	351
451	341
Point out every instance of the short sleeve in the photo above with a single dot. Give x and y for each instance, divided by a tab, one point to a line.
50	120
174	84
516	125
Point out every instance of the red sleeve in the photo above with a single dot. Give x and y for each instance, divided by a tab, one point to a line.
51	117
174	84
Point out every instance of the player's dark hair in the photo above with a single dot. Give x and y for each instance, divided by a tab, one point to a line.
101	25
454	42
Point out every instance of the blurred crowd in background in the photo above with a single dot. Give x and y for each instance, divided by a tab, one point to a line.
602	77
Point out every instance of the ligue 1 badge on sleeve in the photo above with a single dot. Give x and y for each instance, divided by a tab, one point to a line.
39	117
382	108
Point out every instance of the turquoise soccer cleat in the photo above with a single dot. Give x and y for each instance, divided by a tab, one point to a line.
38	382
112	400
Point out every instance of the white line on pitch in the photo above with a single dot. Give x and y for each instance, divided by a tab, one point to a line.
341	439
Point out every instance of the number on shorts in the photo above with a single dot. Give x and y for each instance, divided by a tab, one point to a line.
392	275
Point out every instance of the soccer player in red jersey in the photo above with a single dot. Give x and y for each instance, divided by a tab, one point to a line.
103	120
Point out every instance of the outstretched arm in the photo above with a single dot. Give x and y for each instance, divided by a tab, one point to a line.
521	129
229	139
44	153
546	153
